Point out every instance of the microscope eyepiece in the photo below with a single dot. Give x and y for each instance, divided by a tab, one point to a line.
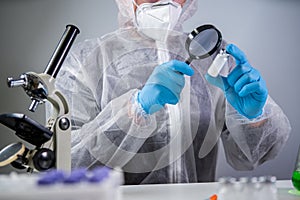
61	50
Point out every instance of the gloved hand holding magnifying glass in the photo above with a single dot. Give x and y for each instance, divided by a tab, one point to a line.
164	86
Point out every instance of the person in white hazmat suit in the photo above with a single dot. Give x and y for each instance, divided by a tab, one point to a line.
132	109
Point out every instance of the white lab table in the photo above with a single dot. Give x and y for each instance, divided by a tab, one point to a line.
191	191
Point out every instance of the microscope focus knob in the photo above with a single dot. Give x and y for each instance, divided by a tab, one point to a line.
44	159
64	123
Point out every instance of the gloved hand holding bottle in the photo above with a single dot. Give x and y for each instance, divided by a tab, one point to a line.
244	87
164	86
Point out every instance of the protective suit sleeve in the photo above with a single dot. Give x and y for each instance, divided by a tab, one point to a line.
105	133
248	143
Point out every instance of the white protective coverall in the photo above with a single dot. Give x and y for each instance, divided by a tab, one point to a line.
100	79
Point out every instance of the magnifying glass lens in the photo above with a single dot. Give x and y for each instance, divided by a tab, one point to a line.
204	42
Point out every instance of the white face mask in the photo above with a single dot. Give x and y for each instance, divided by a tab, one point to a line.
156	19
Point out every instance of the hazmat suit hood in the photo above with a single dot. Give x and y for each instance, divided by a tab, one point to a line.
126	14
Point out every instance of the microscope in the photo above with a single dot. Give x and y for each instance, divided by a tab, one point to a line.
51	143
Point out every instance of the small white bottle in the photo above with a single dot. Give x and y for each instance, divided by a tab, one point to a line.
225	188
268	187
218	63
243	185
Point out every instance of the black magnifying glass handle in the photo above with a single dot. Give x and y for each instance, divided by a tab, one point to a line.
189	60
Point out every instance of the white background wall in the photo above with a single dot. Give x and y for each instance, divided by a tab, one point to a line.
267	30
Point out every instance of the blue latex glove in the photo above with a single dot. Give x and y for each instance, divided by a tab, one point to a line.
164	86
244	87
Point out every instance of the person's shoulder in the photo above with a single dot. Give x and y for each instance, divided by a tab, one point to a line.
96	45
83	49
86	45
90	44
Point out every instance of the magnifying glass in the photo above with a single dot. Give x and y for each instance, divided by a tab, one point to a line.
203	42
